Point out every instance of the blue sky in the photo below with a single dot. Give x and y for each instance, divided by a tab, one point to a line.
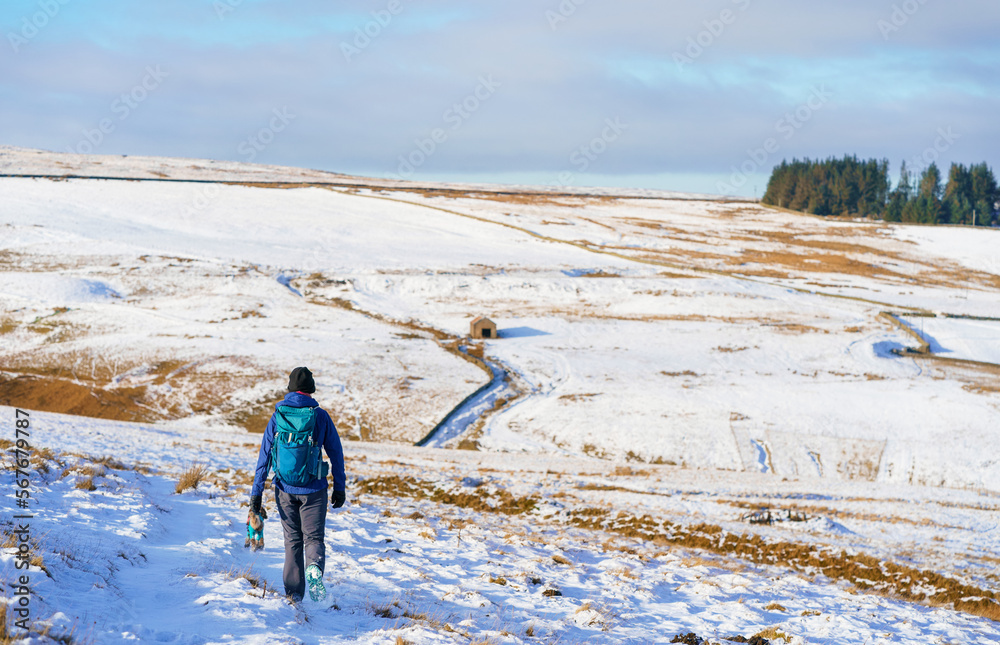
697	96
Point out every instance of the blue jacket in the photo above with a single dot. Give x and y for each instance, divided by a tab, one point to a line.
325	435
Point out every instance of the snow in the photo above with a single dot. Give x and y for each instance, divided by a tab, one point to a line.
974	248
661	354
134	561
55	289
973	340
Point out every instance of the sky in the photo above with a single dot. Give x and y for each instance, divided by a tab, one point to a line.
702	96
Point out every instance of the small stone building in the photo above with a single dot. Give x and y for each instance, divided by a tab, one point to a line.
483	327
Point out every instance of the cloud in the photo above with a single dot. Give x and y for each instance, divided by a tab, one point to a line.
559	81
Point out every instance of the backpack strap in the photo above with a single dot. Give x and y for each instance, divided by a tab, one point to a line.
284	418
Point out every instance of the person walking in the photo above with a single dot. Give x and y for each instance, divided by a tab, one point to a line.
291	447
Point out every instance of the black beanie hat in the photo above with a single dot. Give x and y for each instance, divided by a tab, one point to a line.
301	380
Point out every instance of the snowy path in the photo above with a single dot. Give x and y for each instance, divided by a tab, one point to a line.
195	535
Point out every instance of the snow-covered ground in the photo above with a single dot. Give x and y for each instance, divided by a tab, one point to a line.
680	361
120	557
730	354
971	340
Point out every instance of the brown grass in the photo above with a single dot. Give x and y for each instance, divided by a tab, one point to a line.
578	397
191	477
771	633
256	581
385	610
67	397
110	462
10	540
797	328
522	198
803	252
480	499
591	450
8	637
253	417
78	382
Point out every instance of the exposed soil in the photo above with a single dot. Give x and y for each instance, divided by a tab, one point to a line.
67	397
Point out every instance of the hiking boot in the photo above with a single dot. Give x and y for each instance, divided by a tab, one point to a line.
314	577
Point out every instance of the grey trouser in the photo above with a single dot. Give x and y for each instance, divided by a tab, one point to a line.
303	519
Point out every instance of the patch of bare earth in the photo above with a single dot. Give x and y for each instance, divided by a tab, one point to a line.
68	397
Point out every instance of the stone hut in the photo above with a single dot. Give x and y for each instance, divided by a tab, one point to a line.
482	327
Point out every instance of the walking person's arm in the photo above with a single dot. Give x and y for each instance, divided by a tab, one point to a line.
335	451
263	466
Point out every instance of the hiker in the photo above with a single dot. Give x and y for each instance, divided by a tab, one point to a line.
291	446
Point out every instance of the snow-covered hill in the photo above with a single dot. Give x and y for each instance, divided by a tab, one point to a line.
698	333
666	355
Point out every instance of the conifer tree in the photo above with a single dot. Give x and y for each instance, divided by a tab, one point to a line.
984	193
957	195
852	187
930	182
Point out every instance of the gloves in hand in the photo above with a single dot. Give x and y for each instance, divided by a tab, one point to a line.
255	504
337	498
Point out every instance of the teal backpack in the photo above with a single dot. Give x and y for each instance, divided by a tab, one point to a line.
295	457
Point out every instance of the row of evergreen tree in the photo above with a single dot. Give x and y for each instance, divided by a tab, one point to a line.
853	187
